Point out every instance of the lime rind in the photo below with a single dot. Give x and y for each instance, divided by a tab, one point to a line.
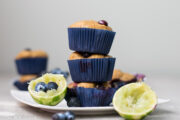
134	101
51	97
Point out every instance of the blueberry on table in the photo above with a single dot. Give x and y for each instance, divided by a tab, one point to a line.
69	115
59	116
41	86
73	102
103	22
56	71
52	85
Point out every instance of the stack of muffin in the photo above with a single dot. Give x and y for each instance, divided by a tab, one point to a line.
30	64
90	65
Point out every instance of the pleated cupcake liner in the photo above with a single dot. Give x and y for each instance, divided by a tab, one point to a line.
31	65
91	97
21	85
90	40
91	70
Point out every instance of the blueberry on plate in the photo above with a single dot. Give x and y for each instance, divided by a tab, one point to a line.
73	102
41	86
52	85
59	116
69	115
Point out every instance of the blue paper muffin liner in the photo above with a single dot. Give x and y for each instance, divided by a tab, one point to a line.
21	85
31	65
91	70
90	40
91	97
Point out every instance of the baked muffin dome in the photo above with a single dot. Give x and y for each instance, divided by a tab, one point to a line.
31	54
25	78
75	55
78	55
117	74
90	24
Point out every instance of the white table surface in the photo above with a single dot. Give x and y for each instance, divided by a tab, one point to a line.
165	87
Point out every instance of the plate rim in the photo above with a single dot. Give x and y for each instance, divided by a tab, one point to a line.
106	108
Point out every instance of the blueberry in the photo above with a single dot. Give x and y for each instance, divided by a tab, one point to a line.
117	84
66	74
59	116
52	85
56	71
41	86
69	115
85	54
103	22
73	102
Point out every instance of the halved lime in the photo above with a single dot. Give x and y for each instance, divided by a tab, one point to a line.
50	97
134	101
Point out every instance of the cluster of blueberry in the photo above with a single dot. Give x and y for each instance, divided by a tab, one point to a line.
41	86
64	116
59	71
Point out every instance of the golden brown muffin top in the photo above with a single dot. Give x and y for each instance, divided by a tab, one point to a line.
96	56
90	24
86	85
77	55
117	74
25	78
127	77
31	54
72	85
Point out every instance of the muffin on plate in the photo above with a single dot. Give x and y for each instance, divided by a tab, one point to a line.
31	61
22	83
90	36
94	68
90	94
120	78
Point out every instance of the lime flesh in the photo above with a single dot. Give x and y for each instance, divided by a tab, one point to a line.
134	101
51	97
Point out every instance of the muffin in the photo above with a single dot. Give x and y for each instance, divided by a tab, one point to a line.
91	69
31	62
91	94
120	78
90	36
22	83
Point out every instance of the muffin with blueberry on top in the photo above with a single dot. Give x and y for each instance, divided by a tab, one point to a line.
31	62
91	36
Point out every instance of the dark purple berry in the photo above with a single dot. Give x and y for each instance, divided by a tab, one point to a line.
85	55
59	116
103	22
69	115
41	86
27	49
52	85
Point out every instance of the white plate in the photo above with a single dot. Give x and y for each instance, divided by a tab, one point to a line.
25	98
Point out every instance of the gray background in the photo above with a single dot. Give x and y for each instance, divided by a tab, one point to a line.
147	38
